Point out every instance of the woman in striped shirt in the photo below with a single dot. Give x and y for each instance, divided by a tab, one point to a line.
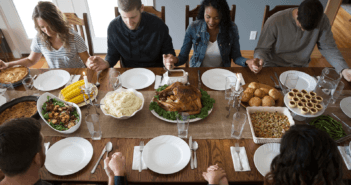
61	46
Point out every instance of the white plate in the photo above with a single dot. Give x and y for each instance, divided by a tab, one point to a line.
138	78
305	81
345	106
264	156
215	78
166	154
175	121
68	156
2	100
51	80
298	112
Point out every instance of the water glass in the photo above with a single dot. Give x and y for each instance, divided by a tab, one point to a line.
331	74
94	127
337	91
183	125
28	83
290	82
5	90
115	80
239	120
230	82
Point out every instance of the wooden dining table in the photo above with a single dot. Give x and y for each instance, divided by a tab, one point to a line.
210	151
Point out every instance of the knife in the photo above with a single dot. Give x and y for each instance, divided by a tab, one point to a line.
191	152
280	84
199	79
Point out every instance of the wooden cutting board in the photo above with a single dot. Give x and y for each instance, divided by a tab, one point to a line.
278	103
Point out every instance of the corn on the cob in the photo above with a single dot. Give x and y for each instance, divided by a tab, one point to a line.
79	98
72	87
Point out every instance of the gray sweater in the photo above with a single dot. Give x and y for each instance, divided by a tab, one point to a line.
282	43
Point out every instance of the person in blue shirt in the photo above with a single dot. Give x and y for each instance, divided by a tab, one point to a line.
214	38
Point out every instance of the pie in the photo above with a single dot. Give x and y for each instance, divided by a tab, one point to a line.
13	74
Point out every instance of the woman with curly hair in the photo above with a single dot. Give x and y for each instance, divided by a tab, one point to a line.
61	46
214	38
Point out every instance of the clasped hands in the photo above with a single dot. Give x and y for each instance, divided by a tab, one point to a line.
97	63
169	61
255	64
215	175
116	166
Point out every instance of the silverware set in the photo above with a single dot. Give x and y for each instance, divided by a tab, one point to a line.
193	147
237	150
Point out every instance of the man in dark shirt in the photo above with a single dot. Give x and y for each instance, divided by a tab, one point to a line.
136	38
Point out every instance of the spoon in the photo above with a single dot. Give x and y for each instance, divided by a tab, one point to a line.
108	148
195	147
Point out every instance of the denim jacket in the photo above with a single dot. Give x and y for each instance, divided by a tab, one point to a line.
197	36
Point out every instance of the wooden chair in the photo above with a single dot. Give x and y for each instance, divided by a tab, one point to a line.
268	13
150	9
193	13
75	21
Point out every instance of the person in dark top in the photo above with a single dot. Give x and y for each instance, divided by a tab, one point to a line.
21	152
136	38
115	169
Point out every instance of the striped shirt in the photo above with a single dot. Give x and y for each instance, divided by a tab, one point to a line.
62	58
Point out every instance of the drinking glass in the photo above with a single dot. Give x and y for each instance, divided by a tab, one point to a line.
94	127
338	90
239	120
230	82
28	83
290	82
183	125
331	74
6	89
115	79
326	84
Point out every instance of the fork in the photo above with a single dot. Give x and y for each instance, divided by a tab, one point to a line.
141	147
237	149
275	84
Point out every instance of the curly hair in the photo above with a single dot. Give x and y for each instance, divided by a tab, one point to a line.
308	156
310	13
223	9
56	21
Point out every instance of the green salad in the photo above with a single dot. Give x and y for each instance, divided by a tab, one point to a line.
329	125
59	115
206	100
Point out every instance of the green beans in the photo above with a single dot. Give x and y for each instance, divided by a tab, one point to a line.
329	125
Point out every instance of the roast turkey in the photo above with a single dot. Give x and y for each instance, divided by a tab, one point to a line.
181	98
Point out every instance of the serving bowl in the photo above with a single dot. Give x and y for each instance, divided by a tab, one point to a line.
138	94
18	100
43	98
283	110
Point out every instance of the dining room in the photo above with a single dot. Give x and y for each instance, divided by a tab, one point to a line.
170	125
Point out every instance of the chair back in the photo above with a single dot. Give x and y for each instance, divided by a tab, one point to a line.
193	14
150	9
76	22
268	13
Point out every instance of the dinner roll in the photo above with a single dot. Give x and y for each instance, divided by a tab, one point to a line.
259	93
255	101
250	90
246	97
268	101
254	85
264	90
274	93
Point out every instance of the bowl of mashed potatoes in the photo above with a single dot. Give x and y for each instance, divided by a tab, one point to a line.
122	103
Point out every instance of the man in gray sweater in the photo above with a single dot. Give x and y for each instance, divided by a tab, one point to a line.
289	36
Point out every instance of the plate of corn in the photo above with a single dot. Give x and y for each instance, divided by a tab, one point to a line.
72	93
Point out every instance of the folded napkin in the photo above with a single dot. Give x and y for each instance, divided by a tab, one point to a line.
347	158
242	82
136	159
157	81
243	159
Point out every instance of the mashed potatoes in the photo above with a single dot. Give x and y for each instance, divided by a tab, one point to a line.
122	103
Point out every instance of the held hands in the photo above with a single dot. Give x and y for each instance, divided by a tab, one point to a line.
3	65
347	74
215	175
169	60
97	63
255	64
117	164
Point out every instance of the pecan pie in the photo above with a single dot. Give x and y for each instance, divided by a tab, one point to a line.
13	74
20	110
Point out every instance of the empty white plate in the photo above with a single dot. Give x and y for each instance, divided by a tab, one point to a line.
305	81
68	156
137	78
166	154
264	156
51	80
215	78
345	106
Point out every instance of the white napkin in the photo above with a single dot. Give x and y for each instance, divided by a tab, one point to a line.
76	78
347	158
136	159
242	82
157	81
243	159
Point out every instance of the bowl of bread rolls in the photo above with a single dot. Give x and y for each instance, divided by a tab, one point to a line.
258	94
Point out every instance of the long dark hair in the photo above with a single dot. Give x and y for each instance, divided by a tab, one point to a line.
308	156
223	9
55	19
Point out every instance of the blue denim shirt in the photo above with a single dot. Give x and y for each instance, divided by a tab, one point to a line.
197	36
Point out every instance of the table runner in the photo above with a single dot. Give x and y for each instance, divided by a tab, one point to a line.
145	125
